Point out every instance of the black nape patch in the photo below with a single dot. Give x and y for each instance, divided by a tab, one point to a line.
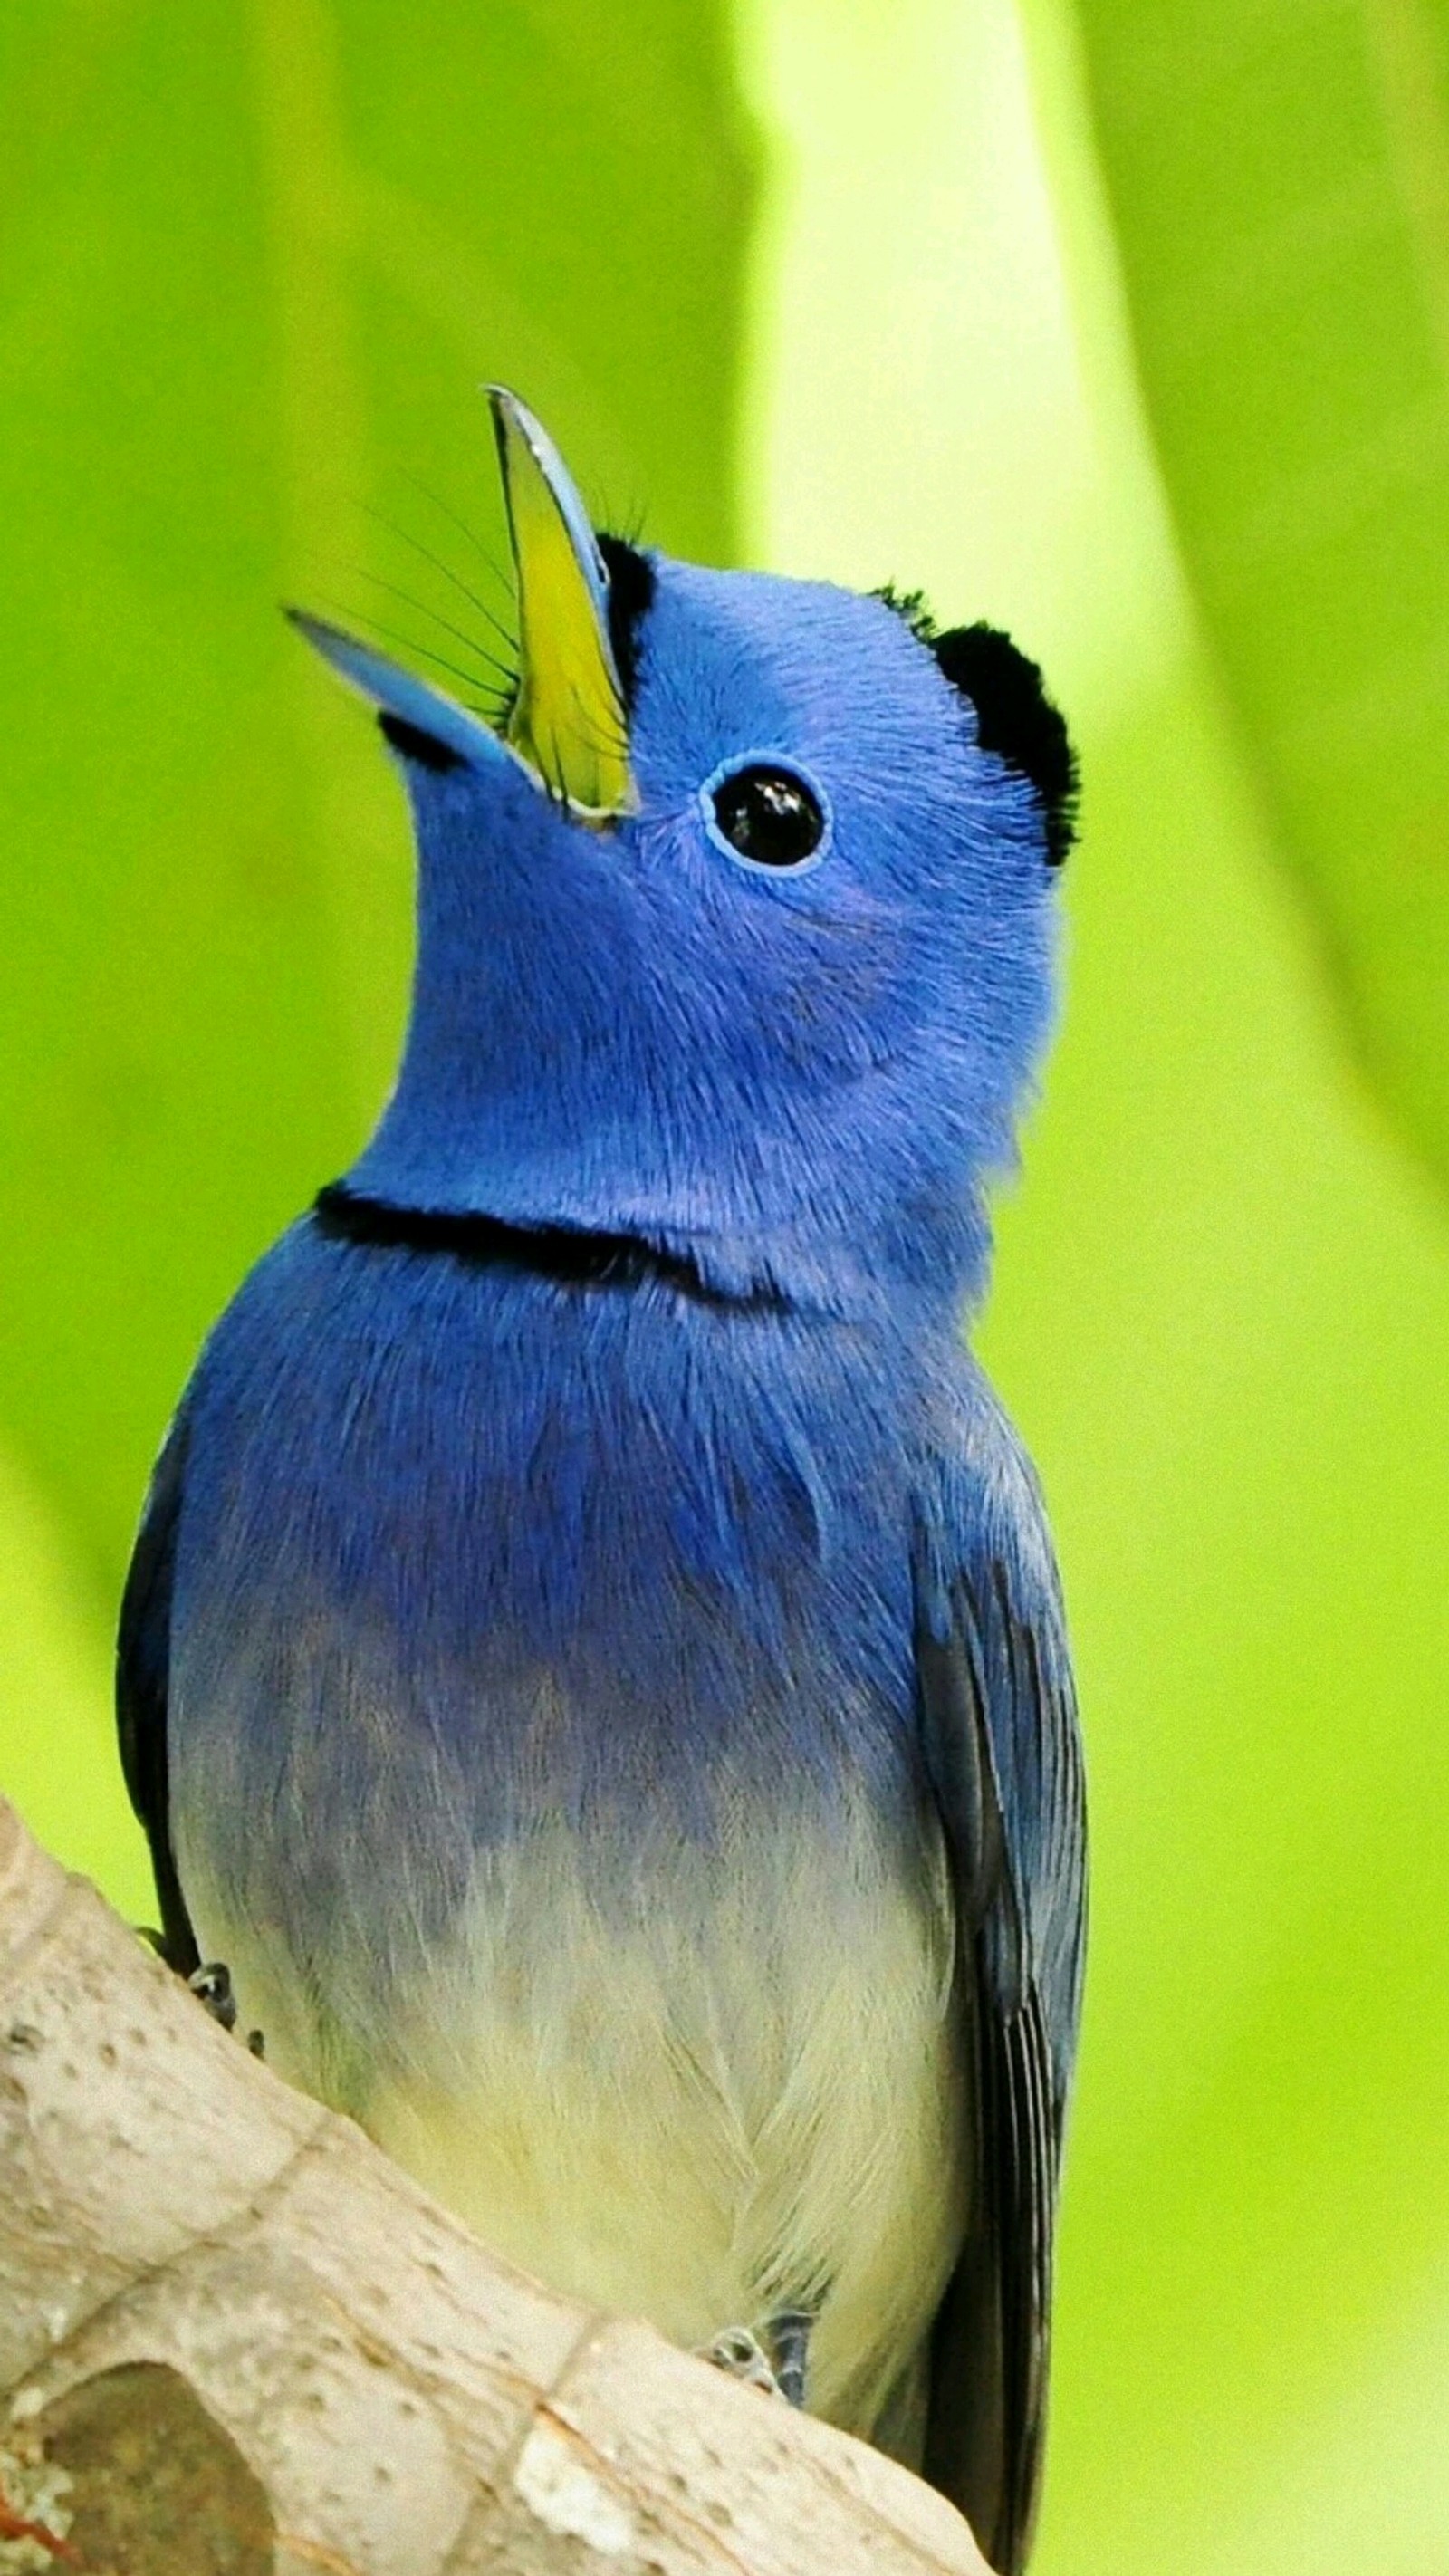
631	593
411	743
1014	716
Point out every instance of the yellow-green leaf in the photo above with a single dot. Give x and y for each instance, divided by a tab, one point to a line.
1280	183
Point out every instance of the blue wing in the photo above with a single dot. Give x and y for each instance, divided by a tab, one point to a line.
998	1714
143	1658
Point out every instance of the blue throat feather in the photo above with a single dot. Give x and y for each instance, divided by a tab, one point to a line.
593	1664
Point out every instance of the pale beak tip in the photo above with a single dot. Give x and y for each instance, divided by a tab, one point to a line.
513	419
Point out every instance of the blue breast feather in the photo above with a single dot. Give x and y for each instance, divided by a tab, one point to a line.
463	1550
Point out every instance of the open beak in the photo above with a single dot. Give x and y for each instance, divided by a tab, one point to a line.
568	726
568	720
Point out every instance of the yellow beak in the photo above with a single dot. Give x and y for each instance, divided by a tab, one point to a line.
569	720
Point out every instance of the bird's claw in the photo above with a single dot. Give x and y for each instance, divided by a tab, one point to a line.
742	2356
212	1987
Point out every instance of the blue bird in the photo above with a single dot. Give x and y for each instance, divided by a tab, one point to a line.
593	1663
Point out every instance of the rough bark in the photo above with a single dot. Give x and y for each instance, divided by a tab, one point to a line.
236	2341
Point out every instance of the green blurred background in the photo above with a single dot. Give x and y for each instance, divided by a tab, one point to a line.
1129	329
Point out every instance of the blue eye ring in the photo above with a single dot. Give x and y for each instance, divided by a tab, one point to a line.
761	807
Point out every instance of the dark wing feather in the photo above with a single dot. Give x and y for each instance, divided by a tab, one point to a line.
1000	1737
143	1657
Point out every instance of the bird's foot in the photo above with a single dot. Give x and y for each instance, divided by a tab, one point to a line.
737	2350
742	2356
212	1987
789	2334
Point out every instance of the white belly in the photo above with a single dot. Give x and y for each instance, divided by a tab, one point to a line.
741	2091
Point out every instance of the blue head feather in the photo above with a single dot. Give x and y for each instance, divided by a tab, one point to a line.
802	1076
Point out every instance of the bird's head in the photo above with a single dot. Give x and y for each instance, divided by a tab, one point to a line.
736	932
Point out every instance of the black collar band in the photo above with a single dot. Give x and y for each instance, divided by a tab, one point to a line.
576	1256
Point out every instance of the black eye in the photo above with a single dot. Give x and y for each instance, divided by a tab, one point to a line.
769	815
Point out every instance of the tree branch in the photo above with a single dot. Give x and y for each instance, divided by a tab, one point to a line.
234	2337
